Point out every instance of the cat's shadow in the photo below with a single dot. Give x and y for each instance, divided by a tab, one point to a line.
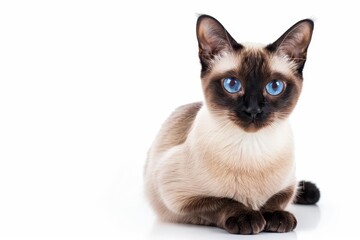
308	218
163	230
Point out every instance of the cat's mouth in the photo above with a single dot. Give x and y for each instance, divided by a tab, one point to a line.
251	123
253	119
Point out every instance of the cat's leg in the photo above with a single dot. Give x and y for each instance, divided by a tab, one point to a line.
277	219
225	213
307	193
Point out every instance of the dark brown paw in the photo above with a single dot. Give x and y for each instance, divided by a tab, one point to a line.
246	223
279	221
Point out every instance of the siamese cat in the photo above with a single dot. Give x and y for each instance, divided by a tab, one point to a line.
229	161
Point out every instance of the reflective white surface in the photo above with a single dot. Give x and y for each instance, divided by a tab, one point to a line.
85	86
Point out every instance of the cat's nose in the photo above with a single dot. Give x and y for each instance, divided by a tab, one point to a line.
253	111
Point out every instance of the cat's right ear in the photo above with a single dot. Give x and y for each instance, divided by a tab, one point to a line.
294	43
213	40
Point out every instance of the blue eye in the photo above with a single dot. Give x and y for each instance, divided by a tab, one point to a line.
232	85
275	87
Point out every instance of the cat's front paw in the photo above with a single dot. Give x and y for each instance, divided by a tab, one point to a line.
251	222
279	221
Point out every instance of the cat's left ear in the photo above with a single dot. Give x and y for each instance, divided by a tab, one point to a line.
294	43
213	40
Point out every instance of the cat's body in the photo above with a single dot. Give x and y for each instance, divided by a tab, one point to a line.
266	165
229	162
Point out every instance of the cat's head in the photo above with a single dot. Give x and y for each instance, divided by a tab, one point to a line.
253	86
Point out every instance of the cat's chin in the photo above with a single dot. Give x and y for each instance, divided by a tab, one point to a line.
251	127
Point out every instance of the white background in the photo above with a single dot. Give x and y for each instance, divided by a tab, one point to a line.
85	86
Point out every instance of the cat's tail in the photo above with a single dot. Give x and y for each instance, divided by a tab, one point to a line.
308	193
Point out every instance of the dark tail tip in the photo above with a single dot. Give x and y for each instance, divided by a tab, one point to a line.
307	193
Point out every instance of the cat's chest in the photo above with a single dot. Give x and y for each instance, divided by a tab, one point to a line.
248	167
252	180
226	144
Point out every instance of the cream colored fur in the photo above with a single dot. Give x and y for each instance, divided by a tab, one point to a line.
219	159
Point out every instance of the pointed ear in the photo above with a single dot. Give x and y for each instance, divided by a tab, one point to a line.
294	43
213	39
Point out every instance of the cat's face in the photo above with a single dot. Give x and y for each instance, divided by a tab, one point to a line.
253	86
